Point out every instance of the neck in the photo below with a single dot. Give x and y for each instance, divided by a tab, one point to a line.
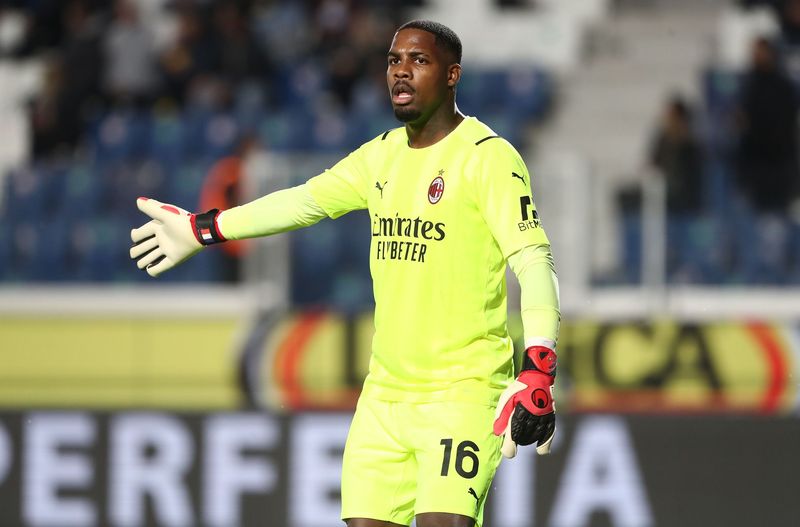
432	130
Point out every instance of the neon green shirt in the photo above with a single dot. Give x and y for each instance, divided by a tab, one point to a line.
444	220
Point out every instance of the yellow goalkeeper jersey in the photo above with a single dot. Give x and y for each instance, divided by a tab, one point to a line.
444	220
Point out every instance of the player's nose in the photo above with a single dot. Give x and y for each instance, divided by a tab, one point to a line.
401	70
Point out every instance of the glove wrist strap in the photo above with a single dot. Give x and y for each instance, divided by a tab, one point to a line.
205	227
540	358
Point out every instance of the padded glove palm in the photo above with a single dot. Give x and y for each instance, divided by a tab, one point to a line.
526	411
172	236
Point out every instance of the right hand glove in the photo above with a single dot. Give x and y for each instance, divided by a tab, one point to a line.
526	411
172	236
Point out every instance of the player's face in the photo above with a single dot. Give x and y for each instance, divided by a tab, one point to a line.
418	75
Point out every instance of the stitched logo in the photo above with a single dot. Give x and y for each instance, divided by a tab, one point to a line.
436	189
474	494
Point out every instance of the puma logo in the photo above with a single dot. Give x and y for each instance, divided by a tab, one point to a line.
514	174
474	494
380	187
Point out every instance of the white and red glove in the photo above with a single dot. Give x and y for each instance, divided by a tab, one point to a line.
172	236
526	412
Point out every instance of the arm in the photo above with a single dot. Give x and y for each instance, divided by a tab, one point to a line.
175	235
539	301
281	211
504	196
525	411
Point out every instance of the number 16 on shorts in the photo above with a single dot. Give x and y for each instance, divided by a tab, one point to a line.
466	463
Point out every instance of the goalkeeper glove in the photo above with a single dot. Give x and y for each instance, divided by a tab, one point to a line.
172	236
526	412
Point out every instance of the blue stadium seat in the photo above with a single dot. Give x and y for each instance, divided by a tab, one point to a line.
370	126
183	185
194	124
330	132
120	135
296	86
315	255
84	193
128	181
166	143
220	136
720	94
105	257
26	195
44	250
523	93
631	272
5	254
202	269
274	131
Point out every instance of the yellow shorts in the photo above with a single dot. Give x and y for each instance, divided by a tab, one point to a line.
403	459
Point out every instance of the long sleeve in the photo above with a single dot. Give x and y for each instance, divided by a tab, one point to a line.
539	301
280	211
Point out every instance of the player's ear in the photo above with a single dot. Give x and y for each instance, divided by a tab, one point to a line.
453	75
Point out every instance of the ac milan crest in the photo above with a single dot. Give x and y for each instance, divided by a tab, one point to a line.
436	189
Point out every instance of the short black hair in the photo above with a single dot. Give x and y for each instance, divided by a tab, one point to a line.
446	38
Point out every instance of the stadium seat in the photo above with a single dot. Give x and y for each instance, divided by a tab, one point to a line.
183	185
26	196
84	194
166	143
105	256
315	259
120	135
5	256
220	135
48	256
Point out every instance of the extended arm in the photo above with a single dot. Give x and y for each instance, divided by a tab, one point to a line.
174	235
539	301
525	411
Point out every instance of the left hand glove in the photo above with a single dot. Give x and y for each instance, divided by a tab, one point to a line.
172	236
526	411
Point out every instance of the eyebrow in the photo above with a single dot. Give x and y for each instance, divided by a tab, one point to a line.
413	53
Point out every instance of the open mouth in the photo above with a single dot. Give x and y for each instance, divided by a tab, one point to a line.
402	94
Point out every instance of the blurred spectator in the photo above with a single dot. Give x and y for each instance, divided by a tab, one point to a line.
190	57
54	128
282	29
71	84
333	19
223	189
44	26
80	56
677	154
747	4
373	29
790	22
130	59
767	160
237	56
515	3
767	122
353	41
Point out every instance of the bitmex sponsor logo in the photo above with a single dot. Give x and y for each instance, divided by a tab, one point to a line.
399	227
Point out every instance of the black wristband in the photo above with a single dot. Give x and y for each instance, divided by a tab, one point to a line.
205	227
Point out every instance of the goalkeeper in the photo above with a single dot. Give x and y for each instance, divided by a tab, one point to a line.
451	205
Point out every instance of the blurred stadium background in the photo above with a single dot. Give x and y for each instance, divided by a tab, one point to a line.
662	138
